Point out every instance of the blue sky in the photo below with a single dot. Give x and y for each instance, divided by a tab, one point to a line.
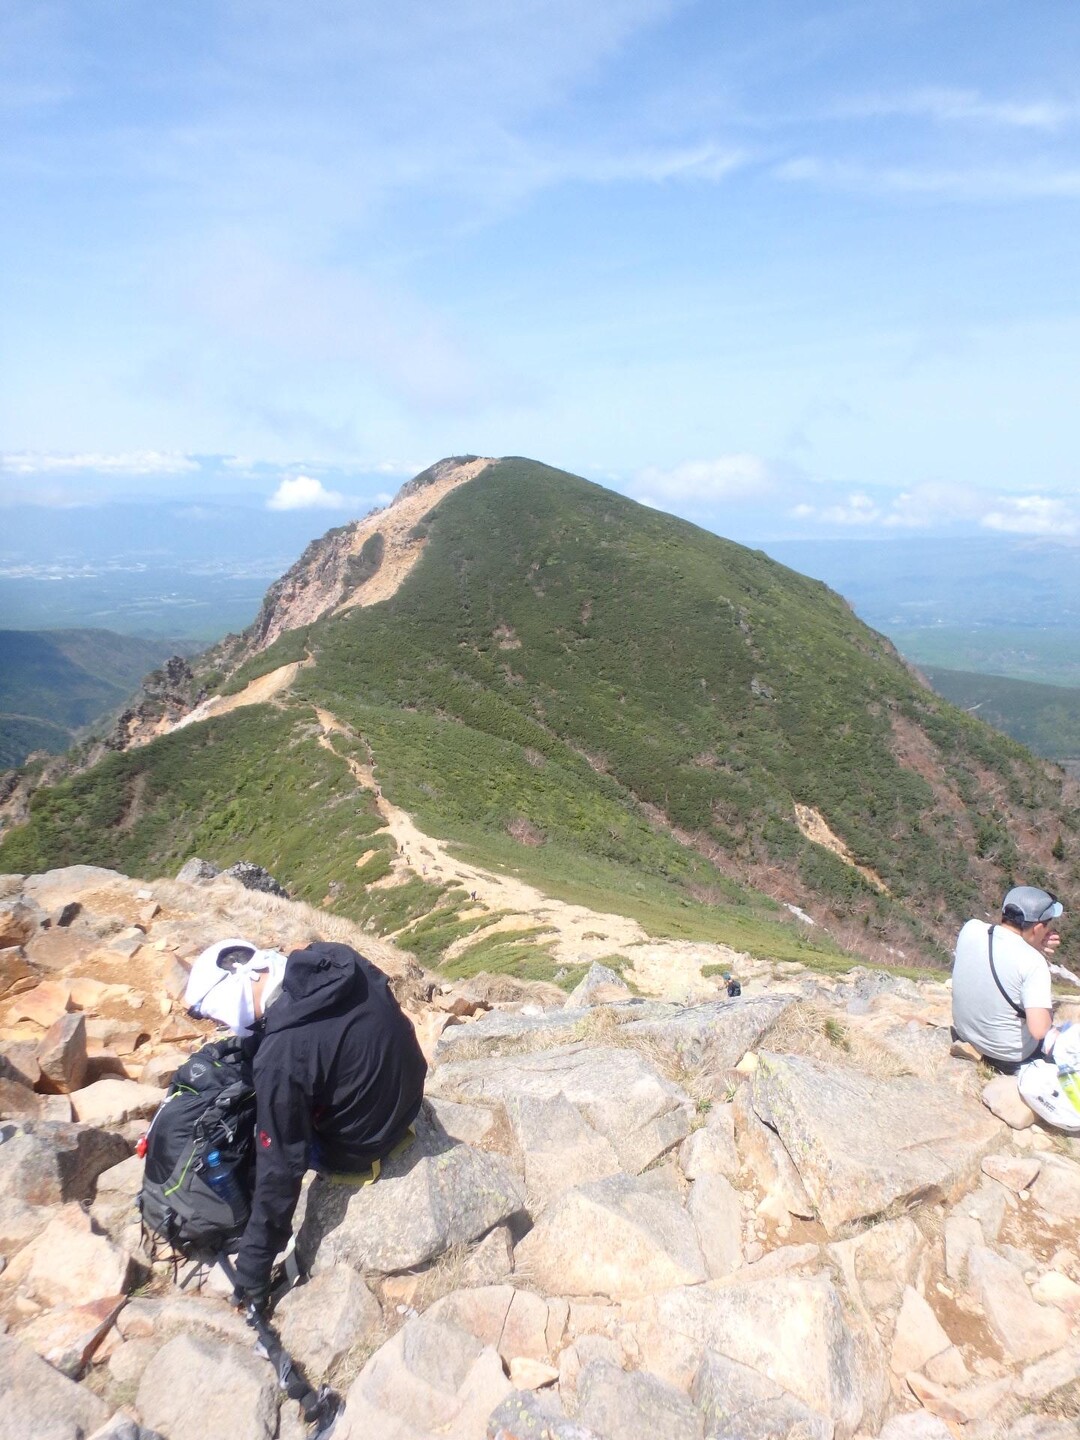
785	268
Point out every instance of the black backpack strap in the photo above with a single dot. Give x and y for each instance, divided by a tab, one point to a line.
1018	1009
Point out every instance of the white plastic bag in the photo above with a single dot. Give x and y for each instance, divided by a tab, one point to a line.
1052	1087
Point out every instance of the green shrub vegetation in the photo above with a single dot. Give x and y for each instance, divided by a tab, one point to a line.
619	708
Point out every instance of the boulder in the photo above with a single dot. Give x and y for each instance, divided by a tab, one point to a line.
962	1234
123	1427
20	1223
113	1101
762	1151
196	1388
738	1403
717	1213
1024	1328
617	1092
492	1260
18	923
635	1405
41	1404
534	1417
878	1264
1057	1190
918	1336
67	1337
558	1149
432	1196
917	1425
68	1264
15	970
599	985
1015	1172
320	1321
47	1164
431	1378
62	1055
45	1004
794	1331
711	1150
1002	1098
621	1237
712	1037
471	1124
861	1144
194	871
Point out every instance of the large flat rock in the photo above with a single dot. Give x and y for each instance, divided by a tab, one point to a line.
41	1404
616	1091
622	1237
861	1144
437	1194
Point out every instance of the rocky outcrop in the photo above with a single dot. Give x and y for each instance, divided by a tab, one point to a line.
731	1221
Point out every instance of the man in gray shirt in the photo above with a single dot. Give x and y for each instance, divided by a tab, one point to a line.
1001	980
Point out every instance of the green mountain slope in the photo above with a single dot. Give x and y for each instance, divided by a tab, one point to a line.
616	705
54	683
1046	718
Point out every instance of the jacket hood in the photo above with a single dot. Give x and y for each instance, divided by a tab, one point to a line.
322	979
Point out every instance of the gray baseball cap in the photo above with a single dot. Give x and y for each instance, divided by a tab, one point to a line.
1031	905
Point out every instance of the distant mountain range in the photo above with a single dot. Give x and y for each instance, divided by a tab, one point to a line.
55	683
623	709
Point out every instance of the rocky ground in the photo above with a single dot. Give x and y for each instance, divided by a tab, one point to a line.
788	1216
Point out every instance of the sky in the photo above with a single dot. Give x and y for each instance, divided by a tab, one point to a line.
785	268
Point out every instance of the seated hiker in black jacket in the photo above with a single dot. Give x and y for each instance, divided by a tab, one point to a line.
339	1077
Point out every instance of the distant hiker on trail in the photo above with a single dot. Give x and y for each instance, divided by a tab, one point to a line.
338	1074
1001	987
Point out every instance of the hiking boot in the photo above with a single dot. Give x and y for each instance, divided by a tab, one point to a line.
961	1050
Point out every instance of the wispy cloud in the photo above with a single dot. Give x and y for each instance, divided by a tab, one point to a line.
977	183
134	463
304	492
941	505
947	106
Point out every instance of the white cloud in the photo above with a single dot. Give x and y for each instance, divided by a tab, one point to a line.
1034	515
304	492
729	477
138	462
977	183
951	105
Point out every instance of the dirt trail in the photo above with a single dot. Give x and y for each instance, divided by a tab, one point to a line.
671	968
265	688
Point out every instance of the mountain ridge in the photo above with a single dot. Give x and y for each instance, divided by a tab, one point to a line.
559	674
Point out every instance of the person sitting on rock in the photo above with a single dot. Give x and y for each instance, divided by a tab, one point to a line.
338	1074
1001	987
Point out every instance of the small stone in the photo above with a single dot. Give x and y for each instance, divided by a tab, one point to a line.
919	1335
1002	1098
1015	1172
526	1374
948	1368
62	1054
1058	1290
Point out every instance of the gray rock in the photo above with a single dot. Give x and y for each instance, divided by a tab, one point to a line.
431	1378
878	1263
621	1237
711	1150
435	1195
795	1331
716	1210
502	1032
635	1405
617	1092
122	1427
919	1425
195	870
714	1036
1025	1329
533	1415
1057	1189
558	1149
47	1163
1039	1427
196	1388
62	1054
41	1404
598	979
763	1152
320	1321
738	1403
862	1144
254	877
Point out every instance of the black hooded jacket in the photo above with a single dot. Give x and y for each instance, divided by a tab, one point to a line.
339	1076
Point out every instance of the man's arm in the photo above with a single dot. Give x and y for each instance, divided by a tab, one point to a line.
282	1136
1039	1021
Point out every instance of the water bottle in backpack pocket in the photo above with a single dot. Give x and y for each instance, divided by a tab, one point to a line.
200	1154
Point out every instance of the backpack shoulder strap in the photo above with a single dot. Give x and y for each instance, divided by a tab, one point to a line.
1018	1009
